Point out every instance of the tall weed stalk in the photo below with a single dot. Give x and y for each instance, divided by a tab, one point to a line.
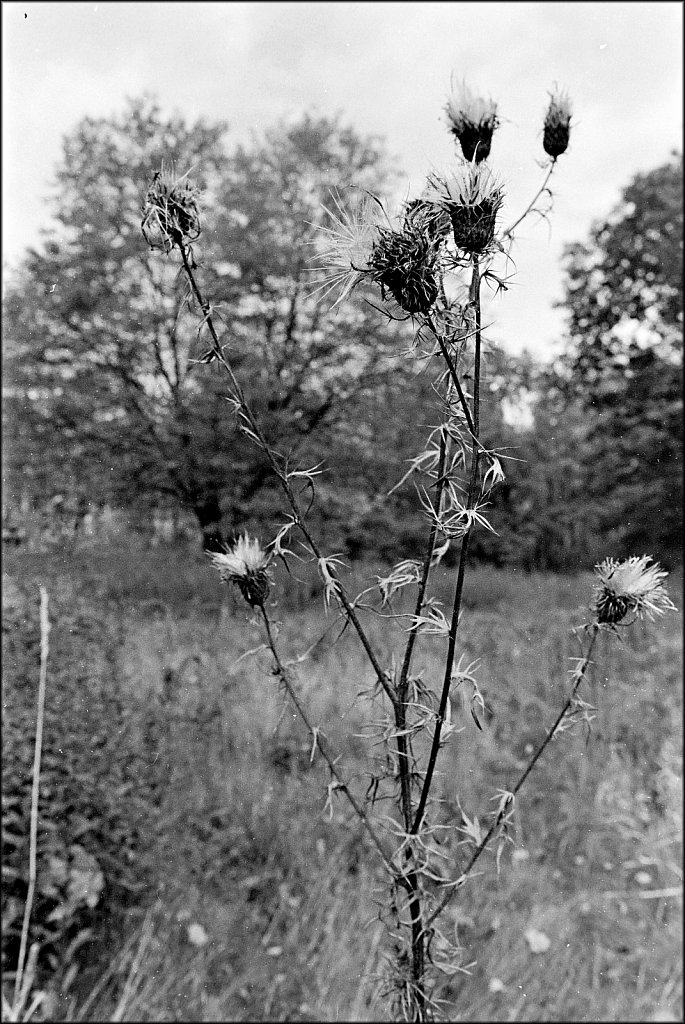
429	263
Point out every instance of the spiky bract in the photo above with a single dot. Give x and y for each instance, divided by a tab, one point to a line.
404	262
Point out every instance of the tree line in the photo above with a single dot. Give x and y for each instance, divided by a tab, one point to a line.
107	401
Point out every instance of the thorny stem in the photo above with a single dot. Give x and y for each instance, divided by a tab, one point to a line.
474	298
508	232
409	879
406	664
453	374
580	675
320	743
404	768
285	484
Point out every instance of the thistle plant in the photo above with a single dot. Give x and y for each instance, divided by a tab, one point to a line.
428	261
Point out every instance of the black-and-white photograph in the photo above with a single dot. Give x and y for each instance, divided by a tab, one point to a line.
342	491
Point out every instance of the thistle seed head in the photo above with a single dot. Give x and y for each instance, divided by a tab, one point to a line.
345	245
247	565
472	120
171	214
630	586
557	128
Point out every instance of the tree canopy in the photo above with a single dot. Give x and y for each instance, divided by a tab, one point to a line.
102	342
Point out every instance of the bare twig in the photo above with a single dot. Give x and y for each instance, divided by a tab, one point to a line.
35	792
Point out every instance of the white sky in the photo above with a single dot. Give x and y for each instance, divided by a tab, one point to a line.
387	67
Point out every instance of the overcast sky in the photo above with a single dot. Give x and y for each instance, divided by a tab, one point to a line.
387	68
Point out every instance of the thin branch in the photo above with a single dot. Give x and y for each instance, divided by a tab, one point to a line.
321	745
508	232
35	789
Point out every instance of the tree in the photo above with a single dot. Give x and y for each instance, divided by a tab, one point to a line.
101	343
624	301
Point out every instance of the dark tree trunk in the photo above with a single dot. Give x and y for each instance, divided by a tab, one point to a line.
208	512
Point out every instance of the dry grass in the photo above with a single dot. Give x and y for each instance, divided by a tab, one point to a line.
285	896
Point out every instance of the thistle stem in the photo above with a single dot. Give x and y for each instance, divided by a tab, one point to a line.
474	298
508	232
549	736
285	484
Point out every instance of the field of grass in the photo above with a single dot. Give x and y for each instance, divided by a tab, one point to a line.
228	890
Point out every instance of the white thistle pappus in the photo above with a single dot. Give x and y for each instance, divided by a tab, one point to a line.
630	586
247	565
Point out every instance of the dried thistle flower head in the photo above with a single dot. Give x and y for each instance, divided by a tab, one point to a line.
345	246
422	216
405	262
557	127
630	586
247	565
472	120
171	213
471	197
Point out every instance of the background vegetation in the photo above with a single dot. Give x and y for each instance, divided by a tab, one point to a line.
175	785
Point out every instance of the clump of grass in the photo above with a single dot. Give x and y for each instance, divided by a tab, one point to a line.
237	849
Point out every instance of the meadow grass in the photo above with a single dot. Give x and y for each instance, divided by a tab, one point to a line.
242	844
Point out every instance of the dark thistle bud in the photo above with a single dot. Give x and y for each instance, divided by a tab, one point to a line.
472	120
171	214
557	127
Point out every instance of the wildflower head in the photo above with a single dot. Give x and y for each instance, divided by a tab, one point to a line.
472	120
630	586
405	263
471	197
557	126
344	246
171	214
247	565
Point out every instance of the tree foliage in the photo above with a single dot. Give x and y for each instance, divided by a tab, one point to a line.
102	344
623	369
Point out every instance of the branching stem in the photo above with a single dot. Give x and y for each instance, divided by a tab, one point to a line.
474	299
